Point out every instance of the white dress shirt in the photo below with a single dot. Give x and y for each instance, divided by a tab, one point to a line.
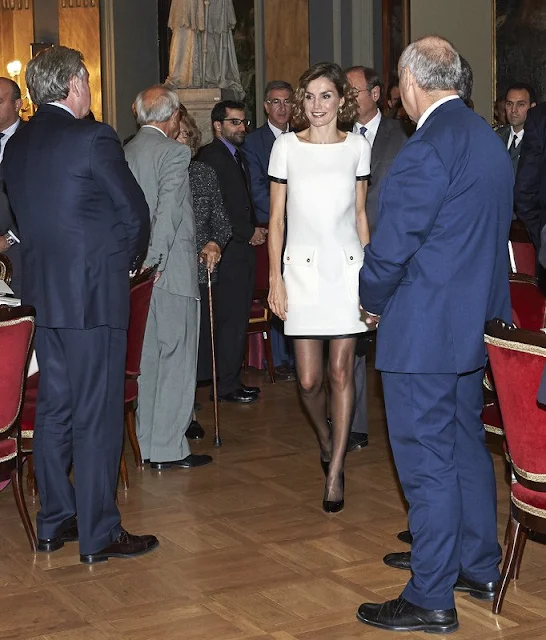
63	106
7	135
371	128
433	107
151	126
276	131
519	137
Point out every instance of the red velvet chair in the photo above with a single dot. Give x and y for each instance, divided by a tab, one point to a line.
260	314
16	335
518	358
522	251
528	312
141	293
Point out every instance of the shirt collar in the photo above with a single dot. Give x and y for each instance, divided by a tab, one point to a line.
232	148
151	126
63	106
519	135
433	107
276	131
372	126
10	130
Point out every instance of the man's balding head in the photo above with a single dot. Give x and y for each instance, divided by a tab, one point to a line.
160	107
10	102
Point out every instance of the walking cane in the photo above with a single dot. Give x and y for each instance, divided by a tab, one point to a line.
217	439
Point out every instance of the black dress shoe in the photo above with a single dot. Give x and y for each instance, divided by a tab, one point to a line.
68	532
254	390
405	536
238	396
357	441
126	546
195	431
188	462
285	372
479	590
401	615
398	560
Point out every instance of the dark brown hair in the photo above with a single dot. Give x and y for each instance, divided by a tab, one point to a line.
334	73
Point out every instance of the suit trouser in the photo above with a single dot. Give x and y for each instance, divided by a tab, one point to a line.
447	475
79	421
235	289
168	376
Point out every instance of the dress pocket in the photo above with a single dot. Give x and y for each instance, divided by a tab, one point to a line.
353	258
300	275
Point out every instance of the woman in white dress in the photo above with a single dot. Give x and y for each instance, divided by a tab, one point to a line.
319	176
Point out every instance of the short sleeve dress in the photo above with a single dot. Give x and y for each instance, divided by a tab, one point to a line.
323	254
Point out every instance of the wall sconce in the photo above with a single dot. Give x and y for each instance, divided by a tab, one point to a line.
14	68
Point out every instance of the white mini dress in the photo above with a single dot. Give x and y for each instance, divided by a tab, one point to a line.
323	254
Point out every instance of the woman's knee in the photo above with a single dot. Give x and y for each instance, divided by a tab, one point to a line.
309	385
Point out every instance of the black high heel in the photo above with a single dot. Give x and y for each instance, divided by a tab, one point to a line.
334	506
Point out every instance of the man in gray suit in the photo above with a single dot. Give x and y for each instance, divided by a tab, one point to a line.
169	355
386	137
10	105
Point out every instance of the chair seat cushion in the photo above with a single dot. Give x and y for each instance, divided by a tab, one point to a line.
258	311
131	389
8	449
533	502
491	418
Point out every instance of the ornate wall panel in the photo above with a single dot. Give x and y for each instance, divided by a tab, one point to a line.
79	28
16	34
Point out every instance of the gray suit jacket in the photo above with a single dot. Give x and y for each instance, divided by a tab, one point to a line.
160	166
390	138
504	135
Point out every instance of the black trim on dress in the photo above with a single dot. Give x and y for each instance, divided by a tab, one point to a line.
279	180
361	178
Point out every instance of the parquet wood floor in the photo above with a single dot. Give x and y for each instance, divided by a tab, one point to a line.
246	551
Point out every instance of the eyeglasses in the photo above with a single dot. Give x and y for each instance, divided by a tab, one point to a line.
357	91
237	121
276	102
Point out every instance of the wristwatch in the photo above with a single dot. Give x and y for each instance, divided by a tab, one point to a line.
10	239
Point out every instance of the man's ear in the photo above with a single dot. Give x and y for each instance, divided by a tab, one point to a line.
19	104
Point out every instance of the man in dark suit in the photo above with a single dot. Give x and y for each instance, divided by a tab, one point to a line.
237	267
530	189
386	138
520	98
10	105
436	271
84	223
257	149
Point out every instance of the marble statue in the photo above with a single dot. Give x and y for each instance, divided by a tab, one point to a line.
202	53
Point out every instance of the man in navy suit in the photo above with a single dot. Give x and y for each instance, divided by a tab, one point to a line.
435	271
257	147
84	224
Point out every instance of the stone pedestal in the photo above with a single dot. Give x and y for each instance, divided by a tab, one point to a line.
199	103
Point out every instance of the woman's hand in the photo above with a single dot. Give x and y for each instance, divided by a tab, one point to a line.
210	255
277	300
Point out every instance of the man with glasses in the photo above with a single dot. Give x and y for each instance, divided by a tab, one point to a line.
237	267
386	137
257	148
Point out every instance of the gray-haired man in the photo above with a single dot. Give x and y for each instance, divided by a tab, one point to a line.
169	355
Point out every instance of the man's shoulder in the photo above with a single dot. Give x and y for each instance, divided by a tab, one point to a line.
503	132
259	133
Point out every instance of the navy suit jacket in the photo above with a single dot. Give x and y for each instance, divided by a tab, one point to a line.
257	148
437	267
82	218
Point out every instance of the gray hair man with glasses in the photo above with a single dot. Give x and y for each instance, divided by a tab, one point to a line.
278	105
169	355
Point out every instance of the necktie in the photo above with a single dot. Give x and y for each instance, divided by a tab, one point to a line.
239	160
514	144
363	131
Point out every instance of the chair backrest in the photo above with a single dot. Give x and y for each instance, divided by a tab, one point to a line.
141	293
16	334
261	286
528	302
5	268
517	359
522	251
